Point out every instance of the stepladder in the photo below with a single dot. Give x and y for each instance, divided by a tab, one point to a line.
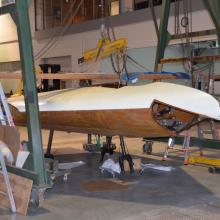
6	119
8	193
5	113
184	148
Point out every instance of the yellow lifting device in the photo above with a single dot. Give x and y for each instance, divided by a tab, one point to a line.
205	161
104	49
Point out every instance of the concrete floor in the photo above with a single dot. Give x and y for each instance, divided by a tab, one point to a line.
188	192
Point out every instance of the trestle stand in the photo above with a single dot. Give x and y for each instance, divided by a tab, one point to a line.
107	148
125	156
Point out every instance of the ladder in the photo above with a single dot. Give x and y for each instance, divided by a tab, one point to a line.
7	183
208	87
5	114
184	148
206	84
212	131
6	120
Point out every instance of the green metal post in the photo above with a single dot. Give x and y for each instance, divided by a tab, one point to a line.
213	7
154	17
163	33
30	91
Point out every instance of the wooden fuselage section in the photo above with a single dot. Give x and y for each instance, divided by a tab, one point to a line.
153	110
125	122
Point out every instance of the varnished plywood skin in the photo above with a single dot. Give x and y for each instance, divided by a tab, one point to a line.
126	122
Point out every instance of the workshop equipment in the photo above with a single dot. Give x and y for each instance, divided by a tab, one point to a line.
7	183
125	156
184	148
148	146
50	68
4	121
92	147
103	49
213	163
7	118
214	169
108	147
204	160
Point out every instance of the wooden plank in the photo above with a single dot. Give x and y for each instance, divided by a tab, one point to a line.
83	76
10	75
21	188
197	58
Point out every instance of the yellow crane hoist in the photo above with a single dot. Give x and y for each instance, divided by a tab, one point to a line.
104	49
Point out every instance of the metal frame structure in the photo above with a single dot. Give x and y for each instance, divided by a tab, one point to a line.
163	33
213	7
35	168
19	13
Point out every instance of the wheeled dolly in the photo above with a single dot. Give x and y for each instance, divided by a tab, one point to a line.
148	146
214	169
108	147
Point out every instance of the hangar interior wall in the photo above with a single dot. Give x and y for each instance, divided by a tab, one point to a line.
136	26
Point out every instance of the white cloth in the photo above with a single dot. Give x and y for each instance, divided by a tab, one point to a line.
6	152
111	165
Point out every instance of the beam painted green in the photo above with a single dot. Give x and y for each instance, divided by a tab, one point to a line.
154	17
163	33
20	15
213	7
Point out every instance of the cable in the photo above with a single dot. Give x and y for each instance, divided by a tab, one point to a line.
55	39
119	55
54	36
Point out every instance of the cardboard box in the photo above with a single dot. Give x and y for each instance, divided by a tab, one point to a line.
137	164
11	136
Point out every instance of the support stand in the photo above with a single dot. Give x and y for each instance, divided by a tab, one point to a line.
49	145
91	147
148	146
108	147
125	156
185	148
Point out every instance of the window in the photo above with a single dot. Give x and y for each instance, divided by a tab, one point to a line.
54	13
114	8
140	4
